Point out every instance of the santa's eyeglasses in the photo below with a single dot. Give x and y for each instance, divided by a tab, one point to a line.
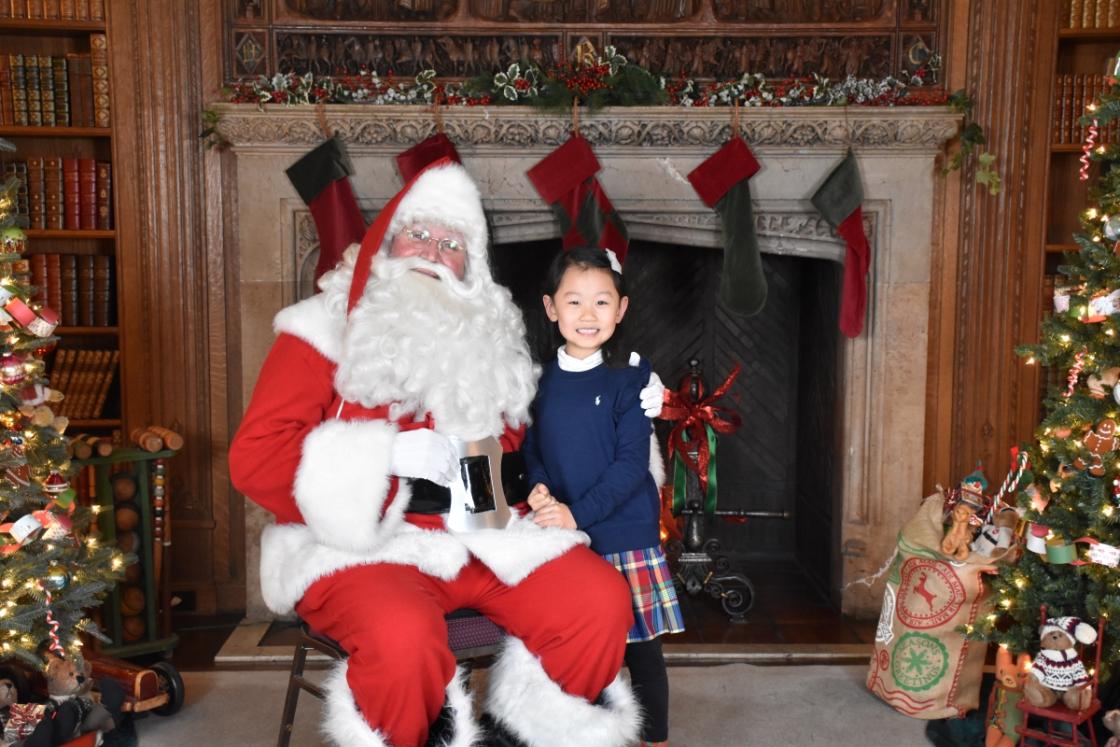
446	246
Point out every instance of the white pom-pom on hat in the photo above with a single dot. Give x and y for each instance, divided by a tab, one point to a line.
1072	626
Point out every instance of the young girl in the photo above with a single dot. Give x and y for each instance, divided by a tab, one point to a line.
588	454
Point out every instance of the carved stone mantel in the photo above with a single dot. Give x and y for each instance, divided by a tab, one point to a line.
897	129
645	154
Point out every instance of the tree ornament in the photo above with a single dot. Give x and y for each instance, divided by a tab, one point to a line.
12	372
13	240
1112	227
57	578
55	484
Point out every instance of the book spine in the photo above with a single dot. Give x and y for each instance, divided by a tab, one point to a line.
102	291
86	296
69	301
1074	21
52	191
81	10
97	10
34	8
7	115
60	374
104	195
36	197
1088	13
54	281
39	278
1113	13
87	194
103	390
70	216
1100	18
99	62
46	90
66	10
81	95
19	89
34	99
61	91
51	9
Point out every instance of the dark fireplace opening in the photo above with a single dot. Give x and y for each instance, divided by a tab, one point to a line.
784	458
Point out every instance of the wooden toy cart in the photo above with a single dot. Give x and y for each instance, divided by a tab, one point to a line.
131	487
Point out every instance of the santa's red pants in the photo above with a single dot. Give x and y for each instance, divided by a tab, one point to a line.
572	612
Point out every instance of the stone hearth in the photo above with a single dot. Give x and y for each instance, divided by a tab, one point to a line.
646	153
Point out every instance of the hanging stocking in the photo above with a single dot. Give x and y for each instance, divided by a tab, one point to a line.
722	181
565	178
838	200
431	149
322	179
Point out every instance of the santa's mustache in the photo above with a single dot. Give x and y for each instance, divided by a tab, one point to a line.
392	268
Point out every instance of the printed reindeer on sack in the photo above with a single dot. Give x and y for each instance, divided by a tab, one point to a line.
921	590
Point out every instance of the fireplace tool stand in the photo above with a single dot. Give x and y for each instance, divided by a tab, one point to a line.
702	566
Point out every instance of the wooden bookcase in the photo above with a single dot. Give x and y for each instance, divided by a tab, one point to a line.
78	248
1082	52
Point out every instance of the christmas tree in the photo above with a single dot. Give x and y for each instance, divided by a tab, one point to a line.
53	568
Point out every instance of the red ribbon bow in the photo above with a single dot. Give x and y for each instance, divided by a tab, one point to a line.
695	418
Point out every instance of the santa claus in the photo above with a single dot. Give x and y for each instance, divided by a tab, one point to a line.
366	390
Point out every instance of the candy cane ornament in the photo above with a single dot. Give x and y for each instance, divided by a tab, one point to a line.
1087	150
56	645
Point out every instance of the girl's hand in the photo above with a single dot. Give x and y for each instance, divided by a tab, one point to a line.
554	514
539	497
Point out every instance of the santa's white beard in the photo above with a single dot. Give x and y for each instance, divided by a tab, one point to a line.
423	344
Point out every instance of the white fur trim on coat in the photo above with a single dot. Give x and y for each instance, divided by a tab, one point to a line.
519	549
342	482
528	703
311	321
344	725
292	558
656	461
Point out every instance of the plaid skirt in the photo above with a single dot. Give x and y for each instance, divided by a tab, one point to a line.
656	609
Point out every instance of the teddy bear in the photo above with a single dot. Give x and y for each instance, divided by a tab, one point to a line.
1005	716
1057	672
1099	441
74	712
1111	721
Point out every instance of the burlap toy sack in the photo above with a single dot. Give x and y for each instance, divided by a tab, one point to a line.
922	666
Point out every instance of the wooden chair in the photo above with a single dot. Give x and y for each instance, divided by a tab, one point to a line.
470	636
1058	713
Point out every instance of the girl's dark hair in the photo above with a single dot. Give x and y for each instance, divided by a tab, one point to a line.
587	258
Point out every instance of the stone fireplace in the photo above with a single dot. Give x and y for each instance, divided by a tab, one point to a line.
875	467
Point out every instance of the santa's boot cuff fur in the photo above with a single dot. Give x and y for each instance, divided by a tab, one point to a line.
344	725
531	706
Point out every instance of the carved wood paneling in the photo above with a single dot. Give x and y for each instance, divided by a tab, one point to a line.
706	39
171	331
999	273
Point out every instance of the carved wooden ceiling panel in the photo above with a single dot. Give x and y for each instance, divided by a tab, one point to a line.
703	39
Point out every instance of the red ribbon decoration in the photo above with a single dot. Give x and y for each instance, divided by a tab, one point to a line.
695	418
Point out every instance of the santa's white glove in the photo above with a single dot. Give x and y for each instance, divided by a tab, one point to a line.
652	396
424	454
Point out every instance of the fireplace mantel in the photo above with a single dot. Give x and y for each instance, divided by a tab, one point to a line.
897	129
645	154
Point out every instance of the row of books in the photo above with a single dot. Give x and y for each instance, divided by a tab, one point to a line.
84	377
62	10
1092	14
72	194
1073	94
70	90
77	286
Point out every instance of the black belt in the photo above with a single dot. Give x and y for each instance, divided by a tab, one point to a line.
430	498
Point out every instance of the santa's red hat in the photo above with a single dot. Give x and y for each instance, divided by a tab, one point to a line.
1071	626
441	194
